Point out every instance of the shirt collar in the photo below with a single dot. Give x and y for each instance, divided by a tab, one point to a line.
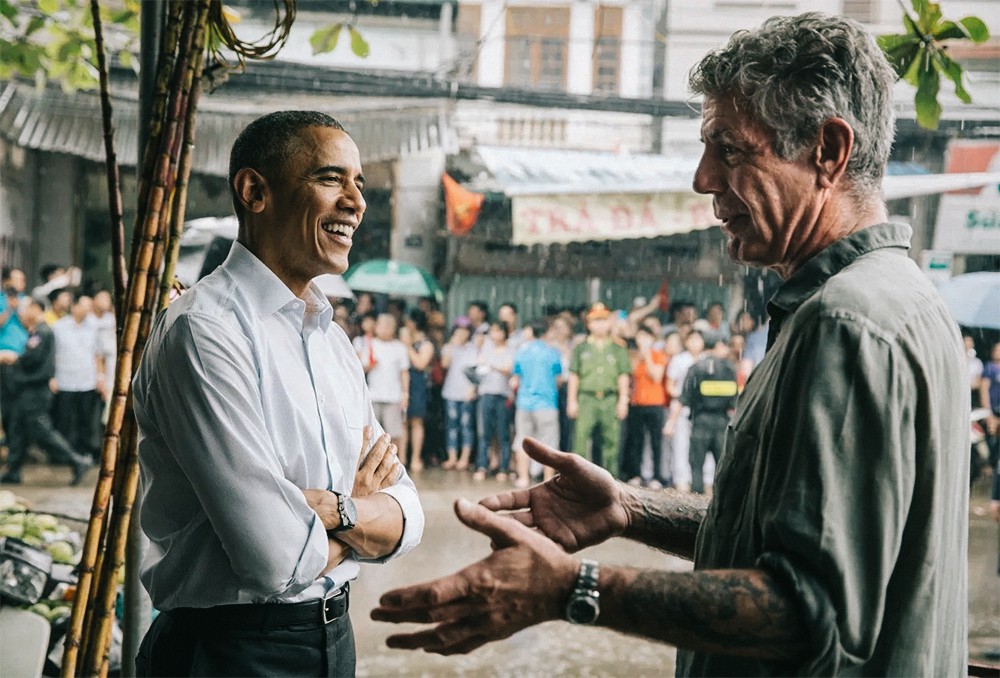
270	294
835	258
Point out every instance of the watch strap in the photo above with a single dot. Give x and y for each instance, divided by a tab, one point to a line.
586	581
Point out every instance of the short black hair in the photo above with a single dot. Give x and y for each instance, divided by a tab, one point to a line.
502	326
539	326
46	271
512	305
8	271
482	306
268	142
54	294
418	318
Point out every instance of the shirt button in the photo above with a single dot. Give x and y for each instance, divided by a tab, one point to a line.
322	399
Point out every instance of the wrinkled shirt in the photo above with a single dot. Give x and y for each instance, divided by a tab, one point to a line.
246	395
845	471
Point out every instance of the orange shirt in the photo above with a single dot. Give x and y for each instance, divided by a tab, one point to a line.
645	391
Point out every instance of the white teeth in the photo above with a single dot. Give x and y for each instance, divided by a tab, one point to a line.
339	229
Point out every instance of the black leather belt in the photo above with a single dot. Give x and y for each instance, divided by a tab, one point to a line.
257	615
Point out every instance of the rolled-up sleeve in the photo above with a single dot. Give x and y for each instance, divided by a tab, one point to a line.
274	541
838	490
405	494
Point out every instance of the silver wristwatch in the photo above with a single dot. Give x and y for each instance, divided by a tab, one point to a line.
348	513
583	606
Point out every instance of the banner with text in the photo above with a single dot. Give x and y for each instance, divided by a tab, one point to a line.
969	224
541	219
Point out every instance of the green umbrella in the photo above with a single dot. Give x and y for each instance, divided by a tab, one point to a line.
393	277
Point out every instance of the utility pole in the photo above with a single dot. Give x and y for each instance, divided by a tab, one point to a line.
137	605
659	74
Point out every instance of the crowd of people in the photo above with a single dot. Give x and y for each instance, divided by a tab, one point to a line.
57	355
646	396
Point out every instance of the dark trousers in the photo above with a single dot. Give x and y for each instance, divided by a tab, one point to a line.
177	645
30	425
643	420
708	434
494	422
77	416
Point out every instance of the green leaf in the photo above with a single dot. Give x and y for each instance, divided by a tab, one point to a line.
325	39
34	25
8	10
949	30
122	16
930	18
917	66
125	58
900	50
976	29
358	44
928	108
911	27
69	49
952	70
48	7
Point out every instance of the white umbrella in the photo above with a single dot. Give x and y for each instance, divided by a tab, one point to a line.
332	285
974	299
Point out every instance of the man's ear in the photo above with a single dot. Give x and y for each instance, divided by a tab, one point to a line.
251	189
834	145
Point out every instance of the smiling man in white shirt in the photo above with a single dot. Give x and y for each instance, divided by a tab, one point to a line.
253	415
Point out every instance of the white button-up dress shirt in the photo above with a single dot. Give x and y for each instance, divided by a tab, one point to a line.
247	394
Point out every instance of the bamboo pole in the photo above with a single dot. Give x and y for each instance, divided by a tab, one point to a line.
161	200
186	72
143	245
111	161
180	191
166	61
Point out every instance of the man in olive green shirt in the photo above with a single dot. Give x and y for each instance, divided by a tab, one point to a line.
598	388
835	543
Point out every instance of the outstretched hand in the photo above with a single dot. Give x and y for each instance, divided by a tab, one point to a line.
581	506
525	581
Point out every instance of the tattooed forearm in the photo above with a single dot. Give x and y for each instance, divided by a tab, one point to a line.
666	519
737	612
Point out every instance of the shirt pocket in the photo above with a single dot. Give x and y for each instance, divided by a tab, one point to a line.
733	480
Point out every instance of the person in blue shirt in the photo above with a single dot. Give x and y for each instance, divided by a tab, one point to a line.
537	370
13	335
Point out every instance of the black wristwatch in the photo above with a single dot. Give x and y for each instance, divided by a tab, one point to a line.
584	604
348	513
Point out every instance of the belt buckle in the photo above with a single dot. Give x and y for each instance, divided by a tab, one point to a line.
327	620
599	395
329	599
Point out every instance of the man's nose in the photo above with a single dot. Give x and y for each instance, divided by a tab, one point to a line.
353	199
708	176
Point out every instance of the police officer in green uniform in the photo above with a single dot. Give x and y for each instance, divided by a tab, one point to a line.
598	389
710	391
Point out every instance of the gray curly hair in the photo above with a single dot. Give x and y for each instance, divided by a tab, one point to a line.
795	73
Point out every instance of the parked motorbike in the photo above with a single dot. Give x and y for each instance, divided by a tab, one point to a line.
38	579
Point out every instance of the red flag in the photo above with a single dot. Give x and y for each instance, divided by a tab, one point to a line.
665	296
461	206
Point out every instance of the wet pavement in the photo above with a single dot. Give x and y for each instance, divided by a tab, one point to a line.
555	648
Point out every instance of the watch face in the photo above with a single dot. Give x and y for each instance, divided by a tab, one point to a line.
350	511
582	609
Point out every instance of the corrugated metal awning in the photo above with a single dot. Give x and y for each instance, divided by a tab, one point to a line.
60	122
